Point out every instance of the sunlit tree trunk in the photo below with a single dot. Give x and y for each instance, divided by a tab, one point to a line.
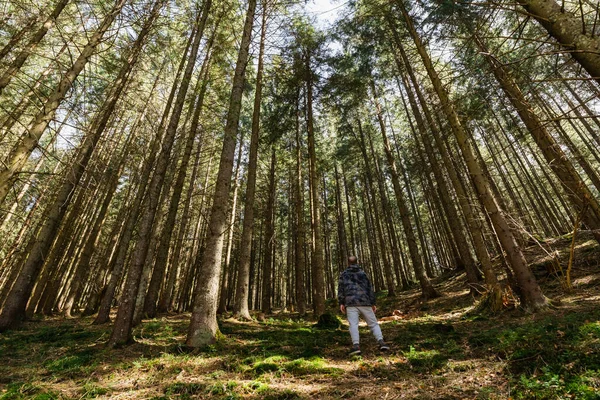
341	227
203	326
569	31
240	308
16	38
12	116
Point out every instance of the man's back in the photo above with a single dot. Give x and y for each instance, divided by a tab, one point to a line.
354	288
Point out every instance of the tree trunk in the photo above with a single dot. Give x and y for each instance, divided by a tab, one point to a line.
568	30
16	38
318	267
203	327
300	288
341	228
125	316
242	291
267	282
225	291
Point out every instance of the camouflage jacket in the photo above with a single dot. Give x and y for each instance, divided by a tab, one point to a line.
354	288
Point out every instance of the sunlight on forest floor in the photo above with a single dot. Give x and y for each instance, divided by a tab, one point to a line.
439	350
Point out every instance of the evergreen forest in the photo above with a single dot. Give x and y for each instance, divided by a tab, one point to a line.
183	181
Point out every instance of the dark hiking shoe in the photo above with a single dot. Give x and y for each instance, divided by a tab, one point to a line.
383	346
354	350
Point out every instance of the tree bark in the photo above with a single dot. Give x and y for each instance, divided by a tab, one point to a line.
240	309
267	282
300	226
125	316
203	326
568	30
317	263
16	38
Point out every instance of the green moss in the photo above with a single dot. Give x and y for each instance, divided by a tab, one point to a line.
551	385
91	391
181	388
70	364
27	391
425	361
286	394
329	321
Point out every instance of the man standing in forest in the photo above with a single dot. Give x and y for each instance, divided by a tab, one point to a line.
356	297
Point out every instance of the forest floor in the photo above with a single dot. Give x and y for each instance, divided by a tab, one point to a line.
440	349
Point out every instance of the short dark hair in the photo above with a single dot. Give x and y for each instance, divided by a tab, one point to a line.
352	260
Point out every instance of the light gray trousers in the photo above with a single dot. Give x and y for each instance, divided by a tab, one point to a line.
353	313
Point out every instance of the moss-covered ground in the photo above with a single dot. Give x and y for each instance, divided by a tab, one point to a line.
440	349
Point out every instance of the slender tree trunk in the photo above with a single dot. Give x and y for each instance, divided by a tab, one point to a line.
166	298
12	116
318	267
228	266
341	228
330	283
242	291
16	38
125	316
353	247
300	288
267	282
203	327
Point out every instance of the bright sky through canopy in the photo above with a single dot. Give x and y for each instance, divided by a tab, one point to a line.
325	11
